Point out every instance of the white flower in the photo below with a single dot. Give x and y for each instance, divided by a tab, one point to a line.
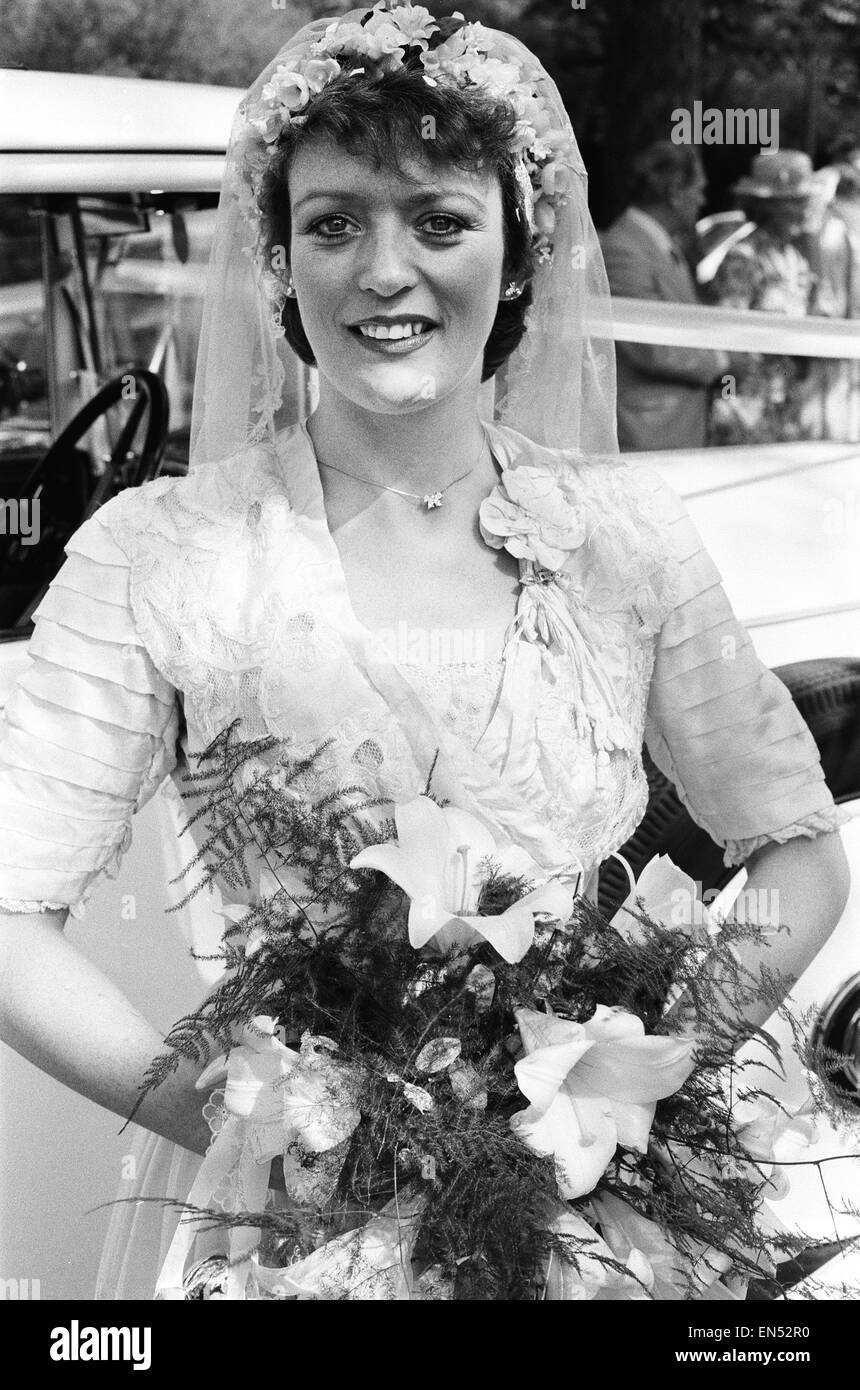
383	37
495	76
582	1270
523	137
317	72
340	38
442	58
592	1086
557	178
669	897
288	89
286	1096
372	1263
544	217
673	1273
268	124
415	23
436	861
476	35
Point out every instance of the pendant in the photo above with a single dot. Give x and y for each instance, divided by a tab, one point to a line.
432	499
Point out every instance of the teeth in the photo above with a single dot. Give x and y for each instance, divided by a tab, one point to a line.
394	330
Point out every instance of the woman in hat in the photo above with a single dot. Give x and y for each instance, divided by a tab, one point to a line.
765	270
404	207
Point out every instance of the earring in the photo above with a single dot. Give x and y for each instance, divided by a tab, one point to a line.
290	289
513	290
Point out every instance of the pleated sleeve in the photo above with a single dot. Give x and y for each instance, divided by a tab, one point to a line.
89	733
720	724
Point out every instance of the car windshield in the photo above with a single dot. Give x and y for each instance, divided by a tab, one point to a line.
24	411
138	305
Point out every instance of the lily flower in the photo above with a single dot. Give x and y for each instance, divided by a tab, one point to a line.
592	1086
670	898
676	1274
436	861
285	1095
370	1264
587	1269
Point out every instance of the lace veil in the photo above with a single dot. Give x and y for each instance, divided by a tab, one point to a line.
557	388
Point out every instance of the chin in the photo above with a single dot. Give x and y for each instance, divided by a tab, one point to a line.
392	389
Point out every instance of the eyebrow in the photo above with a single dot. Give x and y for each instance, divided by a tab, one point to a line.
414	200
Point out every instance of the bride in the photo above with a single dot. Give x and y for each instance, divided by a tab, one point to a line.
405	206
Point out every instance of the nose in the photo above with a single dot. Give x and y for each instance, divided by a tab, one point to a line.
386	262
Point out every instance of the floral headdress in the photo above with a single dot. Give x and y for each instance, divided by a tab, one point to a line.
558	385
381	42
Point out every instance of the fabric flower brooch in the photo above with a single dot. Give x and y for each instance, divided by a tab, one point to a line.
529	515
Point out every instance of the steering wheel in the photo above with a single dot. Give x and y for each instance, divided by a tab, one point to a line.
124	466
61	483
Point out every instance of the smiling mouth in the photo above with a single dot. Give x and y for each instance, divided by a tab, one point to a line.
398	336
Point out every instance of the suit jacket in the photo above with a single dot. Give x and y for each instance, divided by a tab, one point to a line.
662	391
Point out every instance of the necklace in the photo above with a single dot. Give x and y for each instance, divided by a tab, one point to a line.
429	500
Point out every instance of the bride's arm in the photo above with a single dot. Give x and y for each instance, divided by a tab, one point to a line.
90	730
724	729
801	886
61	1013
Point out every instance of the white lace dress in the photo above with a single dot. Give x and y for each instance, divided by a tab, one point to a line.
191	602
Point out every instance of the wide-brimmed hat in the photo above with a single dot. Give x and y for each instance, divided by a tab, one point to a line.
785	174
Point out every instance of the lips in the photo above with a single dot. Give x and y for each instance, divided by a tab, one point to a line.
395	334
393	331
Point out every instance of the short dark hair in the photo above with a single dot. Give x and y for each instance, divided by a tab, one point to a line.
386	118
661	169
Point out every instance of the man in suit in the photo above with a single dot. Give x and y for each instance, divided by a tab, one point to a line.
663	392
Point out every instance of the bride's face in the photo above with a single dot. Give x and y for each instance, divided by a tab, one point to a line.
397	281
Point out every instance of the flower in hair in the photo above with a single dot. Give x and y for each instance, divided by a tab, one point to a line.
414	23
287	89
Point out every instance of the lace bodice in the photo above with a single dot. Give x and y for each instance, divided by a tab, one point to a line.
188	603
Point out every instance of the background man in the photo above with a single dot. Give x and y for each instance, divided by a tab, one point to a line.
663	392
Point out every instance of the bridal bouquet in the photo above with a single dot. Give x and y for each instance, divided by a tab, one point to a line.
467	1083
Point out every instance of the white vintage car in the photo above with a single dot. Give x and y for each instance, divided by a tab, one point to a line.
105	222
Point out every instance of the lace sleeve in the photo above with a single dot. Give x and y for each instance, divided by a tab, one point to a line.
89	733
721	725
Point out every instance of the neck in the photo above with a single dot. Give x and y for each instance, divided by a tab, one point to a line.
417	450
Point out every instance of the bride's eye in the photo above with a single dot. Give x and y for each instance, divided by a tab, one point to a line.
450	226
334	227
